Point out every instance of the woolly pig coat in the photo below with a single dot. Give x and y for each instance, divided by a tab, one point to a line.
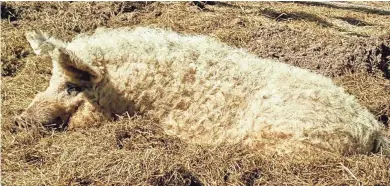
204	91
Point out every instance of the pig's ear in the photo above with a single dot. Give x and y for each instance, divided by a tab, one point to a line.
41	43
76	68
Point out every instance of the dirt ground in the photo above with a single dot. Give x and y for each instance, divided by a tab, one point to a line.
350	45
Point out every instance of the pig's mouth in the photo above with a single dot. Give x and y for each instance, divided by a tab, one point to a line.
58	123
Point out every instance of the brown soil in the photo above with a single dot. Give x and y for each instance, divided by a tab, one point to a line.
352	46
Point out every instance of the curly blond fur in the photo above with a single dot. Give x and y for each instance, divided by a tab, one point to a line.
207	92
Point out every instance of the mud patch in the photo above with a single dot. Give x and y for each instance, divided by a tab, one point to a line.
249	177
81	181
385	120
345	6
202	4
10	64
328	55
126	7
354	21
384	53
281	16
8	12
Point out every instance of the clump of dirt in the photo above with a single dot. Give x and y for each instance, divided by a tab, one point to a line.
250	176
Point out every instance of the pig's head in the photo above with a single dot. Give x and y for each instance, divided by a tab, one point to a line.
64	102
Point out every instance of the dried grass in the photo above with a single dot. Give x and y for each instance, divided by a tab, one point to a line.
136	151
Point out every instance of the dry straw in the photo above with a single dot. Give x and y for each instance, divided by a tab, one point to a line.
136	151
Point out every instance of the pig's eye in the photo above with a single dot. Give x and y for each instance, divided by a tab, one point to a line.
72	89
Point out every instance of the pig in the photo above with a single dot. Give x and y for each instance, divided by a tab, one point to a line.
200	90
